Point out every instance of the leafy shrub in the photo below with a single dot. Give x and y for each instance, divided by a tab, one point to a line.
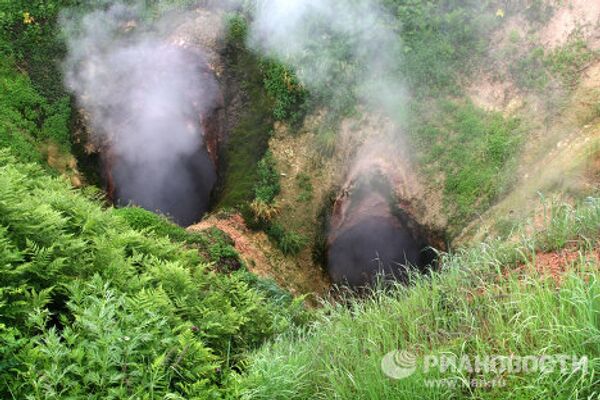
29	33
263	211
141	219
27	118
56	125
268	186
287	92
91	308
213	244
288	242
237	29
566	62
536	68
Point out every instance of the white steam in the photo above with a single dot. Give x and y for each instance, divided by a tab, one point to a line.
348	47
347	50
145	97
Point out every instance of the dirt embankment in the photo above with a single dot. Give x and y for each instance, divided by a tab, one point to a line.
263	259
561	145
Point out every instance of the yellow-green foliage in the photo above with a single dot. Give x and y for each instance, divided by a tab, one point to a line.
27	118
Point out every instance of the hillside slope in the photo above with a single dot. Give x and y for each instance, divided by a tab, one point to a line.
469	130
93	307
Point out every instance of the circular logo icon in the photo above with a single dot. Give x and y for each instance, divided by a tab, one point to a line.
399	364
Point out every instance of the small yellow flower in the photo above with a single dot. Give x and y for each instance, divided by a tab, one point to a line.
27	18
500	13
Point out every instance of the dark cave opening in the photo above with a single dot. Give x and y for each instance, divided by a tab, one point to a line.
371	239
183	194
376	248
160	147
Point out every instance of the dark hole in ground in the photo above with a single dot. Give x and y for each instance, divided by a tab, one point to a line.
373	241
182	194
376	247
160	131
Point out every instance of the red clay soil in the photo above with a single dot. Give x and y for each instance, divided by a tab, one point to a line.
236	229
555	264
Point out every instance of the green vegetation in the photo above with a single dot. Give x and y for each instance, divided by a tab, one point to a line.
104	303
267	187
286	91
306	187
29	34
442	40
213	244
476	305
91	307
325	141
251	179
538	11
568	61
248	141
289	242
27	119
539	67
265	210
34	107
475	151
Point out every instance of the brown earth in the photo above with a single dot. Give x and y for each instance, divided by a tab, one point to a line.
573	15
264	259
557	264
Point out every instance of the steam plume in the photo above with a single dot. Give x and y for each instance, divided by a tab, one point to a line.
145	97
338	46
344	50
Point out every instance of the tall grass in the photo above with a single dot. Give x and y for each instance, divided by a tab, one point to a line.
472	149
476	305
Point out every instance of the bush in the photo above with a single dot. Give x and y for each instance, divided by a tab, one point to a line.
290	243
237	29
567	62
56	125
287	92
141	219
90	307
213	244
268	186
27	118
29	33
